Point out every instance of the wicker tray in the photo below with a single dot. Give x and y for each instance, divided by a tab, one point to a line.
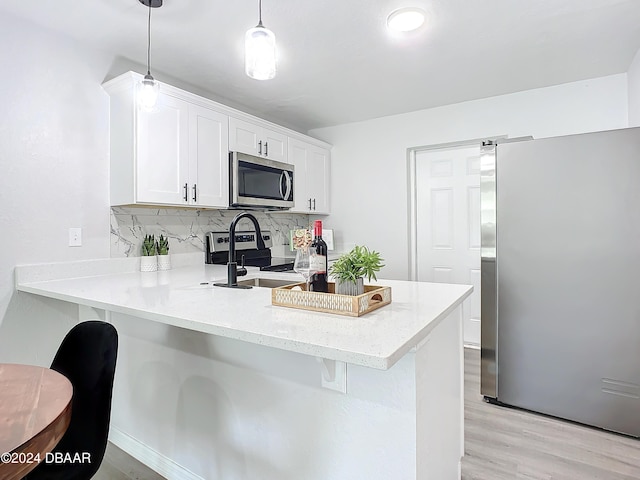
373	298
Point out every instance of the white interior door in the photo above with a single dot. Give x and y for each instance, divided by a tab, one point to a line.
448	224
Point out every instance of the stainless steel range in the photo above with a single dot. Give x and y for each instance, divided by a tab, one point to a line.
247	252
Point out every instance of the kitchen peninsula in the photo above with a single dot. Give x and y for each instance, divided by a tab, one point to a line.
218	383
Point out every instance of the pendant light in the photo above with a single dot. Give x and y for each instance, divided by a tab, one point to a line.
148	88
260	51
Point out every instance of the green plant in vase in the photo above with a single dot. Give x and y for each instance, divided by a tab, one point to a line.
351	268
149	246
162	246
148	262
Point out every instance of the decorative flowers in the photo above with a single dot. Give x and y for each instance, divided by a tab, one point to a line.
301	238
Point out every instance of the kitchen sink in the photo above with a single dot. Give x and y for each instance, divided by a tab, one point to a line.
266	282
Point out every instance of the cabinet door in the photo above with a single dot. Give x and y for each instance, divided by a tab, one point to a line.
256	140
274	146
312	176
208	157
244	137
162	152
318	177
298	152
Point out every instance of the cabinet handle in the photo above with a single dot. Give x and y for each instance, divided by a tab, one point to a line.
266	149
314	204
309	204
186	192
260	147
195	193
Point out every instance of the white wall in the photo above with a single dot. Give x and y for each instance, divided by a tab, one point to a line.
633	77
369	159
54	157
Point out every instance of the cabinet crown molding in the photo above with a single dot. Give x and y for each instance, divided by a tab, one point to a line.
128	80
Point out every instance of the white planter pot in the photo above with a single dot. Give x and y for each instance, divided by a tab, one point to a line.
164	262
350	288
148	264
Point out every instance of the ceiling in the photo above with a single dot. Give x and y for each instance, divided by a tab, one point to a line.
337	62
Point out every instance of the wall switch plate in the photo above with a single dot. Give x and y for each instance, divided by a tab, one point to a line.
75	237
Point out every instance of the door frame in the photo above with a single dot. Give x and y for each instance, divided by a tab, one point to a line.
412	220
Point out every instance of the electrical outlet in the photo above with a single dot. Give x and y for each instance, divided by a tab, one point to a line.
75	237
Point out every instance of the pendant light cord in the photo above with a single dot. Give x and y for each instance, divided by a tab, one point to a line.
260	13
149	41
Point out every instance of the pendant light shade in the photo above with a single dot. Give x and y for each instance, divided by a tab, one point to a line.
260	51
149	88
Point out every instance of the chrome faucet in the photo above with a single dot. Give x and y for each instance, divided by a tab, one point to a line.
232	265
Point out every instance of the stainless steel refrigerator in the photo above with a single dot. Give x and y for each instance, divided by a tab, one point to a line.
560	278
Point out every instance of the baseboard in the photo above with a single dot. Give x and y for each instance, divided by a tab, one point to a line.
148	456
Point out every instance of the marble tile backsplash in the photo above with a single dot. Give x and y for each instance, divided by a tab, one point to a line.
186	228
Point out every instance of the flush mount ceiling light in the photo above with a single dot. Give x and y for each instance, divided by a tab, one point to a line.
260	51
405	19
148	88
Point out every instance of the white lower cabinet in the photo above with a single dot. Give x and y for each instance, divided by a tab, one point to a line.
175	155
312	177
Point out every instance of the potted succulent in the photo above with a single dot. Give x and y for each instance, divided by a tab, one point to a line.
162	247
148	261
350	269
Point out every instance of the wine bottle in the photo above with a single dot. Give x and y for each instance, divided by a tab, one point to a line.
318	279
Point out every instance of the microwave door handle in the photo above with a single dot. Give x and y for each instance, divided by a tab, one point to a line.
282	177
289	185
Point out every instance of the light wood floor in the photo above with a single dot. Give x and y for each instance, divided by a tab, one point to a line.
500	444
504	443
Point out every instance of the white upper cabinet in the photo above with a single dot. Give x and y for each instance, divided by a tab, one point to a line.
176	154
311	177
318	179
208	157
162	166
255	139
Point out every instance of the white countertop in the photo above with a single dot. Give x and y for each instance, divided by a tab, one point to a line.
177	297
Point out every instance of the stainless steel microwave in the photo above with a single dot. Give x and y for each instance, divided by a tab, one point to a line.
257	182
